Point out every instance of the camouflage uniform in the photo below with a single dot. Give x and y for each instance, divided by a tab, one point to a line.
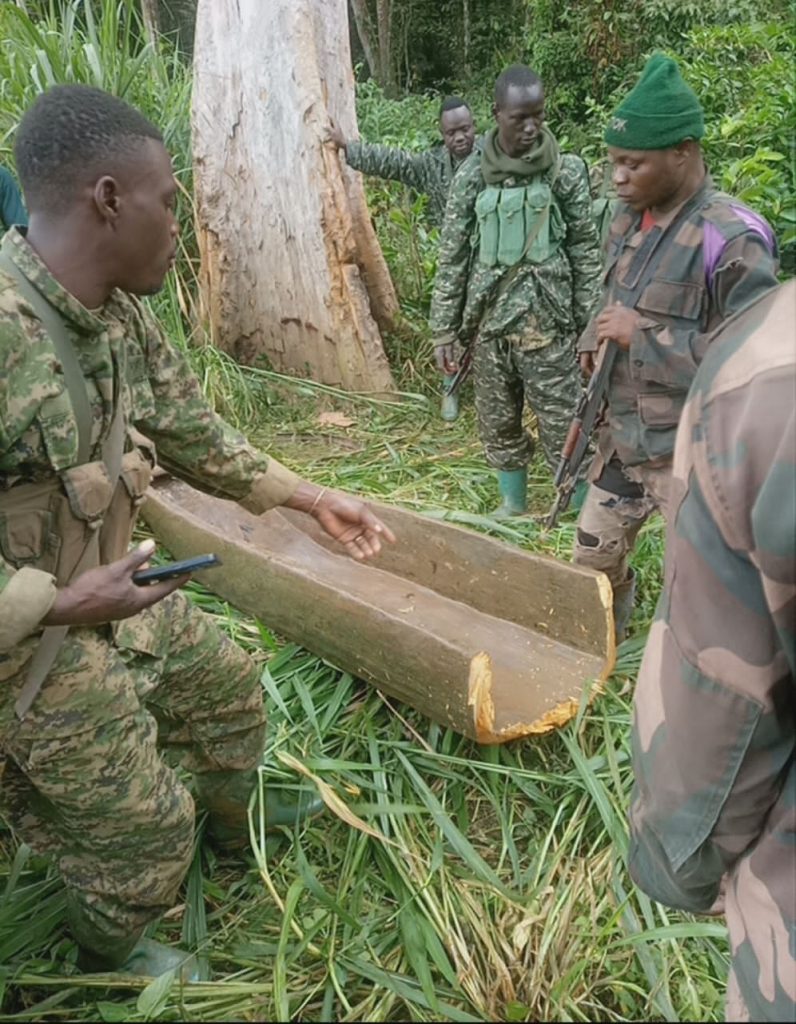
714	735
524	320
12	210
83	778
714	256
430	172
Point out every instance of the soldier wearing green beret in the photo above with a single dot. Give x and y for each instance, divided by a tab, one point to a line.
681	257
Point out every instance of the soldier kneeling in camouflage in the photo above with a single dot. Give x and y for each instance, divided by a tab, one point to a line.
97	672
518	277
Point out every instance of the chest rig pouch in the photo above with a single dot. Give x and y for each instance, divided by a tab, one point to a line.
518	222
84	516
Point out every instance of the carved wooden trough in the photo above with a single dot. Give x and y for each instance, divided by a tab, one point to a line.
480	636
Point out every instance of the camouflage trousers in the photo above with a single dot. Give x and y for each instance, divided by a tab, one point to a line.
609	523
84	780
761	919
506	378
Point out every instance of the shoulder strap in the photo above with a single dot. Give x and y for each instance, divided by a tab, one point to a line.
54	326
53	637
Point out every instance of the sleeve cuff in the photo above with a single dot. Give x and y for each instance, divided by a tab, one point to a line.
24	601
271	488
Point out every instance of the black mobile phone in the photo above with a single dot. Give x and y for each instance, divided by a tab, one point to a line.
172	569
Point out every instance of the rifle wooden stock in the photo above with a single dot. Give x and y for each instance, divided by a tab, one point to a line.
588	412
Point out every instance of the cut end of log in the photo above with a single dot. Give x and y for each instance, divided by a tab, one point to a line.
605	590
483	707
479	695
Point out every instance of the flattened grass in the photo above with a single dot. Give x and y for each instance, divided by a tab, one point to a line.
456	882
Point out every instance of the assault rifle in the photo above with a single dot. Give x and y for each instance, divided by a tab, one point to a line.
587	415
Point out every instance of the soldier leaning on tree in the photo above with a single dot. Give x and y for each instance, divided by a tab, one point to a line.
430	172
681	257
88	385
518	277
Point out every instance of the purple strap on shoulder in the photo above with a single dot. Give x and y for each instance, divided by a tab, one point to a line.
714	242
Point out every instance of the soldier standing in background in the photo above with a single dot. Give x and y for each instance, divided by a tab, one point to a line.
430	172
714	733
681	257
518	277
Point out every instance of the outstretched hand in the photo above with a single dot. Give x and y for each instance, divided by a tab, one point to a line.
334	134
348	520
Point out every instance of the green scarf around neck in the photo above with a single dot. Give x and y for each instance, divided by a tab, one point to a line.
496	165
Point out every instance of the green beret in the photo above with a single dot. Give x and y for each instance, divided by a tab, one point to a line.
660	111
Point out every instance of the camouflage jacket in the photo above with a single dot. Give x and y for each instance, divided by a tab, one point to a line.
430	172
560	293
162	399
11	209
709	259
714	734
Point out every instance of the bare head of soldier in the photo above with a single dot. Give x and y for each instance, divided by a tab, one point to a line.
518	109
457	127
100	190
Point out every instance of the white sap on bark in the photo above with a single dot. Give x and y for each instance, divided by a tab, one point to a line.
291	267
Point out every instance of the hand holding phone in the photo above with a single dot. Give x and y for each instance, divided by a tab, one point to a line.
173	569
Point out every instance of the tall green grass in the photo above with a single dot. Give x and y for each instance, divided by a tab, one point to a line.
454	882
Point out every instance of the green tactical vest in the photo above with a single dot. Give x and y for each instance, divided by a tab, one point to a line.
508	216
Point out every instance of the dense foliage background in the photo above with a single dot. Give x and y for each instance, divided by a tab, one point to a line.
494	886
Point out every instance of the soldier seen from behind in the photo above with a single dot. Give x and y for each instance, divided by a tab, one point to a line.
714	732
681	257
99	674
518	278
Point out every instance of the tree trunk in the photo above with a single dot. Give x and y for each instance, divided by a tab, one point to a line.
466	30
177	19
291	267
364	31
149	11
384	26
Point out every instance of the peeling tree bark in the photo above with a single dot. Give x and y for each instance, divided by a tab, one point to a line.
291	267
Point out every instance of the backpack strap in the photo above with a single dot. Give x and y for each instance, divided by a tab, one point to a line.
55	327
53	637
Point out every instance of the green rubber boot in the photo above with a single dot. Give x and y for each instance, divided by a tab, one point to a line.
624	595
100	953
513	486
449	410
148	959
226	797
